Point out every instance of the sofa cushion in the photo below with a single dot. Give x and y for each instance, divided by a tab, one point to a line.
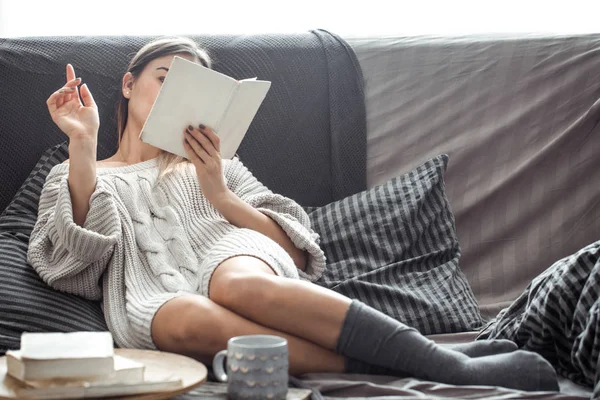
28	304
395	248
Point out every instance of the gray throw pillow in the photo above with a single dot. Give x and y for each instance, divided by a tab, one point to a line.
395	248
27	304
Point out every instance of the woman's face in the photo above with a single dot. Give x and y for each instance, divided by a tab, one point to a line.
142	91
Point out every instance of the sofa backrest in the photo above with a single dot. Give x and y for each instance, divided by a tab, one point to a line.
289	146
518	116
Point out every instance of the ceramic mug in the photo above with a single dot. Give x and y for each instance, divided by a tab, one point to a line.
257	367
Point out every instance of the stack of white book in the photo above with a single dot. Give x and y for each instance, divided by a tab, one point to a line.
78	365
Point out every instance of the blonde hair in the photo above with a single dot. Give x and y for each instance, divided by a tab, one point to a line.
167	162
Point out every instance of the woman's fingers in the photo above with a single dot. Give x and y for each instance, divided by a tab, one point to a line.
72	83
70	92
67	91
56	100
70	87
86	96
202	139
75	96
196	147
190	151
61	100
70	72
64	94
212	136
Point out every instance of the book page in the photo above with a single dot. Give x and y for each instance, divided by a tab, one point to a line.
244	105
100	390
52	345
190	95
126	371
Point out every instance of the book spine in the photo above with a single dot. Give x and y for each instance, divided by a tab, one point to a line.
217	126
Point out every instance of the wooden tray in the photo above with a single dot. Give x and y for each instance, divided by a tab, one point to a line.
191	372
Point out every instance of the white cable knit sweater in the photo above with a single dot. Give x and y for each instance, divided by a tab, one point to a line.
146	241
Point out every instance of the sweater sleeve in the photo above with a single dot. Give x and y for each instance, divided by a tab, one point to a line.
69	257
284	211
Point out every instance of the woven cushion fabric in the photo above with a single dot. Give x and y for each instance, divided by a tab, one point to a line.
395	248
28	304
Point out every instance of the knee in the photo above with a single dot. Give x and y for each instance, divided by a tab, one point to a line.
188	325
187	322
234	288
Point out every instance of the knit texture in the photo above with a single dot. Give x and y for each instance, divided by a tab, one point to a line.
146	241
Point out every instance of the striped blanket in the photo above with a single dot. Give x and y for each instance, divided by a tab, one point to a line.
558	316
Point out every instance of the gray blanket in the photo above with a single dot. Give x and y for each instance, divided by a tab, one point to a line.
558	316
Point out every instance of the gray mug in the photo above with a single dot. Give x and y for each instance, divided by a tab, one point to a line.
257	367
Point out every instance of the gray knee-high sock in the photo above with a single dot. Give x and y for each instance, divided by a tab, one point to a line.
374	338
472	349
484	347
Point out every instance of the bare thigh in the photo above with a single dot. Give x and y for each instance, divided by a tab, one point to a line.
197	327
250	288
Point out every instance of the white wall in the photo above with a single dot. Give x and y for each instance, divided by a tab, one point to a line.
349	18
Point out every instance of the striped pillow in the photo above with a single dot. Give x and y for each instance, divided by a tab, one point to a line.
27	304
395	248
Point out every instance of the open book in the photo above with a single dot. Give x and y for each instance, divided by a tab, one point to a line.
192	94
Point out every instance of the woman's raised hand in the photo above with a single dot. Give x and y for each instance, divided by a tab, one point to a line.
76	119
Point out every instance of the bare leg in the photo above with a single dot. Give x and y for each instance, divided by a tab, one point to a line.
249	287
318	313
197	327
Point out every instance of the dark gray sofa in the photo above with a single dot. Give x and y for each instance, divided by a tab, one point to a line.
517	116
